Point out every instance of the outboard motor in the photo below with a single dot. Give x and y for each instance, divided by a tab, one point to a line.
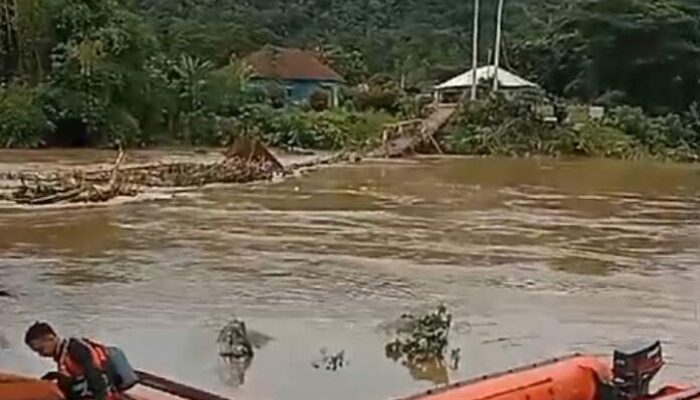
633	371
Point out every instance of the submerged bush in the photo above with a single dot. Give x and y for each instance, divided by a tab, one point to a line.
421	343
22	120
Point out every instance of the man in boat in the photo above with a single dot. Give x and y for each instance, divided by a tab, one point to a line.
84	370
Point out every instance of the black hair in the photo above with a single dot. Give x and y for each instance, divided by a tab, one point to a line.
38	331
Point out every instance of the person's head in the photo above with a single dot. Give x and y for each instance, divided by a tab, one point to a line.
42	338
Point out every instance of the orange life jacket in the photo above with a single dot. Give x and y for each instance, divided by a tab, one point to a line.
75	372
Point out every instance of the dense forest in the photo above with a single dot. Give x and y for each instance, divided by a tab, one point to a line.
87	72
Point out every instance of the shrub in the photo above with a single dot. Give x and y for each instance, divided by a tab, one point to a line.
651	133
227	90
670	136
22	120
604	141
319	100
507	127
336	129
124	128
499	126
379	94
415	106
293	127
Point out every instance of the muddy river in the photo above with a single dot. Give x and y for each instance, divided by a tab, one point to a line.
535	258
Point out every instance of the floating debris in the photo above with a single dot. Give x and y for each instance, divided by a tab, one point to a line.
420	343
73	187
343	157
423	336
100	185
236	349
245	161
252	151
332	361
233	341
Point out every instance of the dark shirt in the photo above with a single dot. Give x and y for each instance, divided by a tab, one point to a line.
95	378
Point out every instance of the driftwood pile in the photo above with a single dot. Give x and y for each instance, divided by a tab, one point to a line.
73	187
244	161
182	174
95	186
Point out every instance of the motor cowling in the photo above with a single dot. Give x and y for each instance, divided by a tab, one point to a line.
634	370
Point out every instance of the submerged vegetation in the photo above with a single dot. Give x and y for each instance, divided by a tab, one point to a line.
330	361
421	343
233	340
146	72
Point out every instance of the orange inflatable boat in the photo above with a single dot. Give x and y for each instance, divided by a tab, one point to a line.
17	387
570	378
576	377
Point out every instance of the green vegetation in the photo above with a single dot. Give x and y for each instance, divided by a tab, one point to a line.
328	130
89	73
144	72
421	343
22	121
497	126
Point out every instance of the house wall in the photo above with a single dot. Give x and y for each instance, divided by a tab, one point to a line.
301	90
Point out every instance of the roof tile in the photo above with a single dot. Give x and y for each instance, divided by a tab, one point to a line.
291	64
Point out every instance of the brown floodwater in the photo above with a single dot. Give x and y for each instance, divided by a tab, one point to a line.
535	258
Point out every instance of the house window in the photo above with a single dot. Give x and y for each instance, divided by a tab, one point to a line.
289	92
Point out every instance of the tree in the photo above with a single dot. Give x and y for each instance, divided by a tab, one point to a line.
138	68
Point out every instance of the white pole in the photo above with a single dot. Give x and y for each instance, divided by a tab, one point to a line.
475	49
497	55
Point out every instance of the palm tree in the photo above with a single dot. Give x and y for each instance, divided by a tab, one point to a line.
190	77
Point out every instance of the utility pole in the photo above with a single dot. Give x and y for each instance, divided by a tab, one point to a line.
497	55
475	49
